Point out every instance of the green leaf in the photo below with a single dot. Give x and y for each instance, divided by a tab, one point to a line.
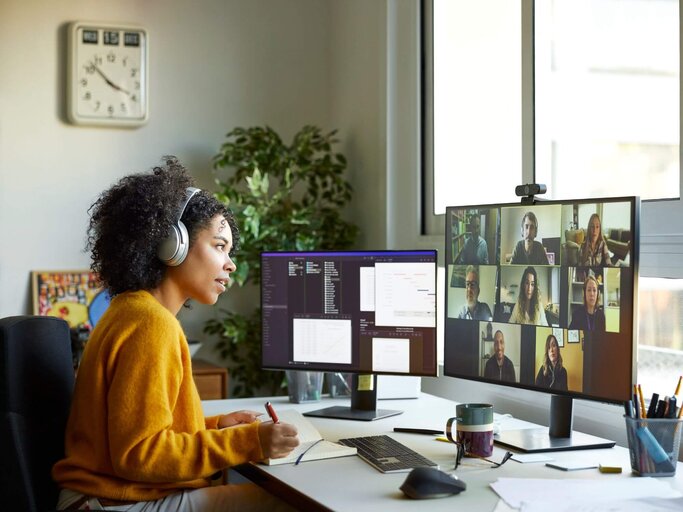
240	275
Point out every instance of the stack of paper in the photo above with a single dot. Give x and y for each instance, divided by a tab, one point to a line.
559	495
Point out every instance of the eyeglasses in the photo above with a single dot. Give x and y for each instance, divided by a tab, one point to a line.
471	284
506	457
460	453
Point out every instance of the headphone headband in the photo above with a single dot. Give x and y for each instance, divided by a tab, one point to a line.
189	194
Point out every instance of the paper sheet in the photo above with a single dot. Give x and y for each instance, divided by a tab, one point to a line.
532	457
570	493
637	505
501	506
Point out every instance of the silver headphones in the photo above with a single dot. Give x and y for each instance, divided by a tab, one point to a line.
173	249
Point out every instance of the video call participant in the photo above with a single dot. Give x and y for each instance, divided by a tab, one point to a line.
137	438
499	366
589	316
473	309
528	308
552	374
593	252
528	251
476	250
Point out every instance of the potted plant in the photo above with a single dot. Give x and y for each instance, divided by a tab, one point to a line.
286	197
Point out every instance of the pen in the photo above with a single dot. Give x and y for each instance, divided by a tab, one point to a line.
661	409
425	431
672	408
643	411
628	409
653	405
271	412
636	409
678	386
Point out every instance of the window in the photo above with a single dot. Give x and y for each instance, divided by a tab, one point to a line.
477	122
601	82
660	340
605	99
606	81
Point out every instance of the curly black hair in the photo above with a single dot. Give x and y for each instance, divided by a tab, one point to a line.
129	220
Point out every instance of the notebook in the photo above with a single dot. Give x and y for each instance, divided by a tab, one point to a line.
308	435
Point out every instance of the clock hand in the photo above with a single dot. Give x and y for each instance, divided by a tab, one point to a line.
109	82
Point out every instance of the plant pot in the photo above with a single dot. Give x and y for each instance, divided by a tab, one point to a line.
304	386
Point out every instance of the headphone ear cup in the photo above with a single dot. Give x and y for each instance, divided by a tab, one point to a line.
168	247
183	246
173	249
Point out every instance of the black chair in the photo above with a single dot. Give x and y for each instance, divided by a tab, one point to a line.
36	384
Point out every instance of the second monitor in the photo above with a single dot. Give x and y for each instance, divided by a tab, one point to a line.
543	297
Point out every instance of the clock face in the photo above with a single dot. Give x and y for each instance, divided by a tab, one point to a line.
107	75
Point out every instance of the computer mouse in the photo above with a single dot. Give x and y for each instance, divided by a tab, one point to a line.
422	483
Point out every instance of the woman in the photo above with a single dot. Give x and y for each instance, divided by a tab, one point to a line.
593	252
136	436
528	309
552	375
589	316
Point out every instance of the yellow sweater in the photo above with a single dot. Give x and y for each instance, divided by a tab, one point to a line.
136	430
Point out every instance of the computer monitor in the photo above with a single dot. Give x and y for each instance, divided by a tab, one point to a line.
361	312
545	301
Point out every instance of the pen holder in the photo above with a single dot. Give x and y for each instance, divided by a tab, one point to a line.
304	386
653	445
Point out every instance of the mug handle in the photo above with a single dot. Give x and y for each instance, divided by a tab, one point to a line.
449	429
459	448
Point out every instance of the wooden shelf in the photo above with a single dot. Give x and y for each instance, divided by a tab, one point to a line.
211	380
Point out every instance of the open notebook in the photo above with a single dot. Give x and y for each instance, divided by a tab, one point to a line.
308	435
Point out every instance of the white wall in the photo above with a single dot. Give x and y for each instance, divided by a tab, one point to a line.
358	109
214	65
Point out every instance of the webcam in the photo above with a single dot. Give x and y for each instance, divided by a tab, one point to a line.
530	189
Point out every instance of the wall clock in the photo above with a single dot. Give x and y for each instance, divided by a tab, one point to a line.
107	74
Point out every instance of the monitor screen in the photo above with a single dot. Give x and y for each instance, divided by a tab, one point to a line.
362	312
542	296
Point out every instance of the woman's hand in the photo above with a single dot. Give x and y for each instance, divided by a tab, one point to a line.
277	439
237	418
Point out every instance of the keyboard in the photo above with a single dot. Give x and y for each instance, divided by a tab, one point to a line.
386	454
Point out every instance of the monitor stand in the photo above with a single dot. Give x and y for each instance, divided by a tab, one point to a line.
559	436
363	404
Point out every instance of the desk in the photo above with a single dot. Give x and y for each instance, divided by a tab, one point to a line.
349	483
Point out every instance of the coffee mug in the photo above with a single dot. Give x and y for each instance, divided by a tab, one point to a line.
474	429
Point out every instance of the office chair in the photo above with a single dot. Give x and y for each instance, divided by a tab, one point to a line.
36	384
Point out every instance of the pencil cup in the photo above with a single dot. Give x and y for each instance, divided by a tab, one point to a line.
304	386
653	445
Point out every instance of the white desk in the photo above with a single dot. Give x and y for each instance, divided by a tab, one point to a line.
349	483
